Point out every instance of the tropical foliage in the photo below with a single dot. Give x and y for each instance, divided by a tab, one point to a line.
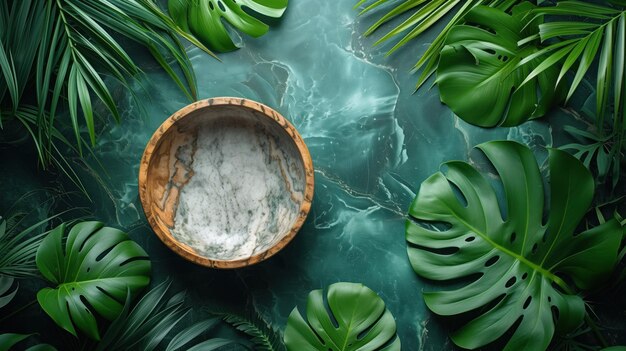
423	15
514	262
9	340
262	335
578	36
155	319
71	58
480	70
551	40
203	19
597	151
93	269
18	248
356	319
152	320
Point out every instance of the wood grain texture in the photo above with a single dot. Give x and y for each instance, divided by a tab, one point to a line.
203	133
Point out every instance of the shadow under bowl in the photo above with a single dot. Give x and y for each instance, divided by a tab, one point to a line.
226	182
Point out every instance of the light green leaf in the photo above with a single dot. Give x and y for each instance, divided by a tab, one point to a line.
354	310
93	269
558	29
178	10
204	18
511	260
41	347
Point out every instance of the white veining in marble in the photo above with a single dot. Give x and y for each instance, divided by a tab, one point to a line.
246	190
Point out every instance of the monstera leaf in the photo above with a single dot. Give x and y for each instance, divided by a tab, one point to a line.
93	269
203	18
357	320
479	73
517	264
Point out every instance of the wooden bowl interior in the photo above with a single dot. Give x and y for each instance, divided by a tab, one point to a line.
254	183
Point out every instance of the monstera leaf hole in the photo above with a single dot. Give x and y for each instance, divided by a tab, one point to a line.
93	268
515	276
348	317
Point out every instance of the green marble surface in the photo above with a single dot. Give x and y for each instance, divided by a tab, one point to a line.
372	141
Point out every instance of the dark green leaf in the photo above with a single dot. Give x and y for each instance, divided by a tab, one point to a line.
8	340
209	345
480	76
620	66
6	283
18	249
94	270
264	337
154	317
85	104
41	347
514	260
605	66
8	71
185	336
73	45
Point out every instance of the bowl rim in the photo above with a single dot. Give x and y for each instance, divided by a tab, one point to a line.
182	249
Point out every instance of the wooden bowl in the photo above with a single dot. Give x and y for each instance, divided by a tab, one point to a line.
226	182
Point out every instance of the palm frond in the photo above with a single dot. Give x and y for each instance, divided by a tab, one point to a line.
589	33
72	58
263	336
23	229
6	294
599	152
145	326
50	150
17	250
423	15
595	28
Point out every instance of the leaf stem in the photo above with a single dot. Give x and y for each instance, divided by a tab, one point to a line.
17	311
595	330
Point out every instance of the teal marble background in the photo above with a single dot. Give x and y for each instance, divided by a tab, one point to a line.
372	140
